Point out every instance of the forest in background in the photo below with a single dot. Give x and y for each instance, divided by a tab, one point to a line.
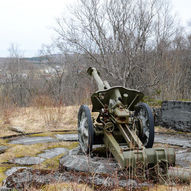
133	43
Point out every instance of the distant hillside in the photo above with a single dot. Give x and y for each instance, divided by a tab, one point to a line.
3	60
35	59
32	60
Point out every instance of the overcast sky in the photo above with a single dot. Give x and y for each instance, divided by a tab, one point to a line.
28	23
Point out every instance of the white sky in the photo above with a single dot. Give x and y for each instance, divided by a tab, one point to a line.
28	23
182	8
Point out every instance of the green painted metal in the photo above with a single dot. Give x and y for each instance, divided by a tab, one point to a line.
130	136
151	156
116	107
114	148
106	97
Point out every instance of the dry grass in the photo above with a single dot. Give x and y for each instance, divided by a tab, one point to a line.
170	188
35	119
159	129
72	186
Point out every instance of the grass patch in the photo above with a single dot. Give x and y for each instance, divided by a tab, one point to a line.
18	151
3	142
72	145
159	129
44	134
50	164
52	134
67	145
73	186
35	119
152	102
2	173
169	188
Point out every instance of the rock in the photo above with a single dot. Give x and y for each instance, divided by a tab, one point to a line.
5	189
177	140
47	154
157	116
24	179
3	149
175	115
183	158
84	163
27	160
131	183
67	137
32	140
13	169
16	129
181	174
50	153
183	154
75	151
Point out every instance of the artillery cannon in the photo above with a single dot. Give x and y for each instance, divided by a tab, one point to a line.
123	125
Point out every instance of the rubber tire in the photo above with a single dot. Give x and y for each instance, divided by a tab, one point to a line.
151	123
85	108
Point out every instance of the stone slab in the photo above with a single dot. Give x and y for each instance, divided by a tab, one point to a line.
67	137
32	140
4	188
27	160
84	163
50	153
13	169
177	140
183	158
175	115
75	151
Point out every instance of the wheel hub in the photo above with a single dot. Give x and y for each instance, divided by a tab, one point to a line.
83	132
145	125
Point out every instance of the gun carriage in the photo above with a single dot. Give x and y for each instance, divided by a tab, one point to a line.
124	125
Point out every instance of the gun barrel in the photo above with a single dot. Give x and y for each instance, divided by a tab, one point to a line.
93	72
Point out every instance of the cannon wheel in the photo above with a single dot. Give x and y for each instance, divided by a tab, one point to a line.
146	124
85	129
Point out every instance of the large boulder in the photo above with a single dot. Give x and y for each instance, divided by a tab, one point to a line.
175	115
83	163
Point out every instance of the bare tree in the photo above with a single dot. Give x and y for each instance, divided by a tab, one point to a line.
16	83
62	76
116	35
